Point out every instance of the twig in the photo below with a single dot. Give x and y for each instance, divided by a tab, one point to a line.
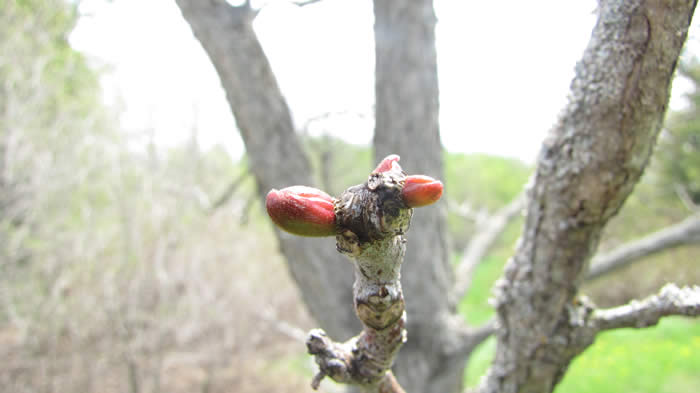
671	300
371	221
683	195
465	210
470	337
228	192
290	330
305	3
483	241
684	232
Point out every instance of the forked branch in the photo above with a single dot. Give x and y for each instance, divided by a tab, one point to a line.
369	221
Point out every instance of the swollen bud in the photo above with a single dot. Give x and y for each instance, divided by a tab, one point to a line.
301	210
421	190
386	163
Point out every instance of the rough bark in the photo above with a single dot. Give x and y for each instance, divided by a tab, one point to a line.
682	233
406	89
371	220
275	156
587	167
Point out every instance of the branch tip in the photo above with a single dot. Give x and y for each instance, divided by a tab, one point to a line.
316	381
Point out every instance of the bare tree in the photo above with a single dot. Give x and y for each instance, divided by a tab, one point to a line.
588	166
274	151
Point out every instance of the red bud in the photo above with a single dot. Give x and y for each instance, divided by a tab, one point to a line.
421	191
387	163
301	210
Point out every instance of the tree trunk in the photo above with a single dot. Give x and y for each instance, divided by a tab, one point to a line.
275	155
406	91
588	166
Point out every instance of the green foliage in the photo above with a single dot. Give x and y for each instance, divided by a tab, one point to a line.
485	183
474	306
54	132
665	358
484	180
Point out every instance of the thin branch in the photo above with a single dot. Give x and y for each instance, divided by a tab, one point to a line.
682	233
288	329
466	211
228	192
245	211
483	241
671	300
683	195
305	3
471	337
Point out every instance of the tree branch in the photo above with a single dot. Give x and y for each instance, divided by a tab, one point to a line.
290	330
682	233
483	241
671	300
275	155
371	220
685	198
305	3
471	337
588	165
228	192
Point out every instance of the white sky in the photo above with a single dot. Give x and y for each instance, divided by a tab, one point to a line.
504	68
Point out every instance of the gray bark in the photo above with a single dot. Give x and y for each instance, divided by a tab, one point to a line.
682	233
587	167
406	90
671	300
371	220
275	155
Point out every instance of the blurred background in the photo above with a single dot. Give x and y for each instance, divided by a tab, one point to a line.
135	256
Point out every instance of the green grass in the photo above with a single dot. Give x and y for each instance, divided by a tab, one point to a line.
475	306
665	358
661	359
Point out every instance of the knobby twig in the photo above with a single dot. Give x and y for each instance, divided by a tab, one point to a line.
671	300
682	233
369	222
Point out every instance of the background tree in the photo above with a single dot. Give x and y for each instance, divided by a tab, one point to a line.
110	279
407	125
679	150
586	170
125	265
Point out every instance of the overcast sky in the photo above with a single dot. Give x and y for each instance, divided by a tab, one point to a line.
504	68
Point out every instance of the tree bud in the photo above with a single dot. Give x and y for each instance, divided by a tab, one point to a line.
387	163
301	210
421	190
